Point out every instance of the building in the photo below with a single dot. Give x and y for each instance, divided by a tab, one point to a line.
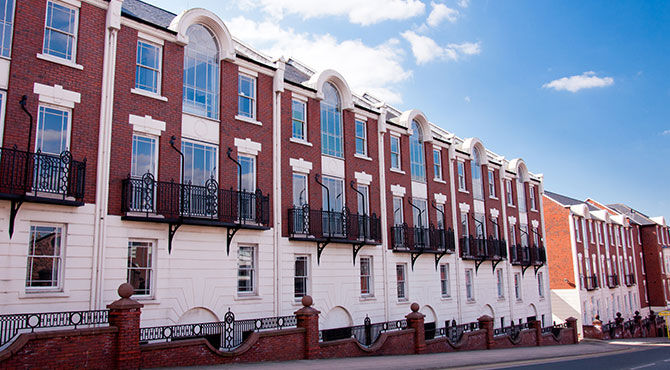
156	149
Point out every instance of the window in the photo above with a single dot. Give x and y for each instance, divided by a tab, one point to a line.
246	96
540	284
536	238
299	189
416	153
299	119
532	198
591	230
461	176
517	286
248	174
60	31
401	278
512	233
53	130
301	277
397	211
464	224
366	276
476	173
437	164
201	73
496	228
445	288
642	263
577	233
363	201
200	162
395	152
361	138
148	67
6	23
510	195
145	156
523	233
492	184
469	285
45	257
246	270
480	226
439	214
501	283
521	191
140	267
420	215
331	122
599	235
333	197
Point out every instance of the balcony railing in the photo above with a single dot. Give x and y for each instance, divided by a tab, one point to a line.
422	239
304	222
527	256
154	200
591	282
482	249
612	281
41	177
630	279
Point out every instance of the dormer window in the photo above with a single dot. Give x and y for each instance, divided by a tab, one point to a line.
331	121
418	163
476	172
201	73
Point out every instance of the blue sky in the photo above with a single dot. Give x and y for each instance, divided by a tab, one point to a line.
579	89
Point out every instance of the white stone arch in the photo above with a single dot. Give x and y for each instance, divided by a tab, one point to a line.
532	310
337	317
469	146
187	18
518	166
197	315
329	75
488	310
581	209
408	116
430	314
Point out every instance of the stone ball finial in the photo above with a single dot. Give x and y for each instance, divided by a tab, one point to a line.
125	290
414	307
307	301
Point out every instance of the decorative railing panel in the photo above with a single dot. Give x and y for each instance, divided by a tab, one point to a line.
366	334
527	256
14	324
482	249
612	281
422	239
591	282
320	224
630	279
455	332
24	173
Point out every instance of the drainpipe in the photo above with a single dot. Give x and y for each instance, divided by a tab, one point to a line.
454	221
381	130
278	87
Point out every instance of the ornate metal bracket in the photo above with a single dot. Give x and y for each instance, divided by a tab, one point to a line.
494	264
230	233
414	256
523	269
437	259
356	249
171	232
14	209
319	249
537	268
477	264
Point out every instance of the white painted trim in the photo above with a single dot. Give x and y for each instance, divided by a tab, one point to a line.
185	19
494	212
4	73
511	220
75	3
464	207
56	95
148	30
247	71
363	178
535	223
398	191
146	124
297	90
396	170
299	97
3	108
248	120
360	117
419	190
333	167
300	165
53	59
148	94
247	146
440	198
319	79
361	156
395	133
200	128
298	141
150	38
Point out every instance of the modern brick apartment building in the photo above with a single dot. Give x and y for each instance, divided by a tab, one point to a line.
155	149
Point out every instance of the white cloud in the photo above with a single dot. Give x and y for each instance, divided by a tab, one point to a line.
376	69
359	12
467	99
463	3
586	80
439	13
665	133
426	49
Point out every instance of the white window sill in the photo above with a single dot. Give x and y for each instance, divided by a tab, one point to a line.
300	141
147	301
446	298
439	180
511	205
361	156
501	299
247	298
533	210
43	294
57	60
148	94
470	301
367	298
463	191
248	120
494	198
397	170
403	301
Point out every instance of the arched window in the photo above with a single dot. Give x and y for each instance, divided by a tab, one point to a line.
201	73
331	121
476	171
418	165
521	189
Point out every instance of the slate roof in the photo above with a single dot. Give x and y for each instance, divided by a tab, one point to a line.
147	12
567	201
635	216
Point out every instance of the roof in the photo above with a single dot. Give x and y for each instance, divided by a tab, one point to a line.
635	216
567	201
147	12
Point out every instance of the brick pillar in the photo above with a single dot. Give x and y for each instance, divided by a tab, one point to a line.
572	323
537	324
652	326
124	314
486	323
308	318
415	321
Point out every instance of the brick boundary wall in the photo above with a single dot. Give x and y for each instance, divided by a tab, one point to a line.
637	329
118	345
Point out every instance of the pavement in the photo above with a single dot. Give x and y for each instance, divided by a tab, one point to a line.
483	359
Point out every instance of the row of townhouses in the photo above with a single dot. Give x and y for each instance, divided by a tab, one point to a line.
605	259
146	147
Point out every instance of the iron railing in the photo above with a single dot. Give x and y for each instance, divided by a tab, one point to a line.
366	334
423	239
455	332
482	249
172	200
33	174
591	282
225	335
527	256
14	324
554	329
511	331
630	279
316	223
612	281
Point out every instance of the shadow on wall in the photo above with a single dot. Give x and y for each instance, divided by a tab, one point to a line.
561	307
337	317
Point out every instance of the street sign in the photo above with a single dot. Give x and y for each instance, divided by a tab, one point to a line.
664	313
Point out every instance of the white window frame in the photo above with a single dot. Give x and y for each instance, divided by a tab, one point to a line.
400	211
3	105
11	32
509	193
437	164
154	171
532	197
254	271
396	138
401	267
465	228
208	145
469	285
445	282
517	286
578	235
500	283
364	138
540	284
254	80
159	71
151	268
60	258
369	277
492	184
306	258
460	169
303	123
591	239
254	161
305	177
75	36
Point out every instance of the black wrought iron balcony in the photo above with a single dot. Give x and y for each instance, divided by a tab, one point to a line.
482	249
612	281
146	199
630	279
40	177
591	282
527	256
305	223
422	239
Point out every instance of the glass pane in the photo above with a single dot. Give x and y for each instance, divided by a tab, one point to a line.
52	131
248	175
299	190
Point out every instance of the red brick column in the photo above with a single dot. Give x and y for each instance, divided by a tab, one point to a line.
537	324
486	323
415	321
572	323
124	314
308	318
